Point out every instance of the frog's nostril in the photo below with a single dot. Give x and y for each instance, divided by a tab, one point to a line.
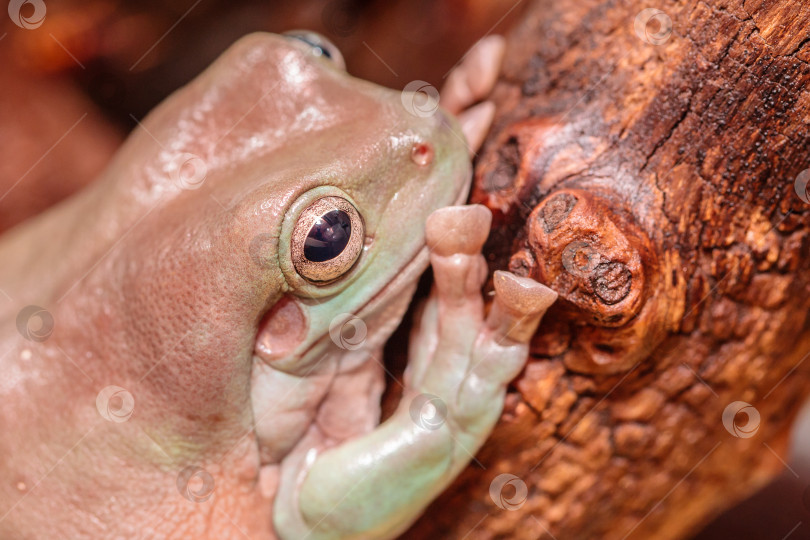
422	153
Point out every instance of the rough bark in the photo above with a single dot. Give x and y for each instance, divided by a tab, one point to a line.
648	175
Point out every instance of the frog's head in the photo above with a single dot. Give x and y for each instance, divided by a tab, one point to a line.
361	169
310	192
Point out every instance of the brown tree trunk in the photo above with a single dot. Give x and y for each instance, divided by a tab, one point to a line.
646	165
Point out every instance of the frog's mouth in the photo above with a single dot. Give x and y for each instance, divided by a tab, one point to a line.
398	287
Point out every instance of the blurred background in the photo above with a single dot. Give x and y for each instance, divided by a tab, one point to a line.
93	68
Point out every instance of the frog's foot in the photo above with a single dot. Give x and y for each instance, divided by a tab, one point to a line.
456	354
469	83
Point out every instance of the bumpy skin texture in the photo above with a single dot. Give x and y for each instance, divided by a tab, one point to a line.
171	278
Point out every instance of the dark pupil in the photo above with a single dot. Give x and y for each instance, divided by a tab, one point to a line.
328	236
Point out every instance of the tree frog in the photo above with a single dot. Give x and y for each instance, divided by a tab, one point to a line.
192	345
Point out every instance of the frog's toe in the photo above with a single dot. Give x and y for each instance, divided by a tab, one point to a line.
473	79
454	313
475	123
519	305
458	229
503	345
455	236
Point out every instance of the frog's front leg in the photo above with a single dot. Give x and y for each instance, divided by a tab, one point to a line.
376	485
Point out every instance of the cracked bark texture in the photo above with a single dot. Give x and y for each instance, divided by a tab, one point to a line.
652	186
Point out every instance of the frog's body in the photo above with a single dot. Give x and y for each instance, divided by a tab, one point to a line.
175	277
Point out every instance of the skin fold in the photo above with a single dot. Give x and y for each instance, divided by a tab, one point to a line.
178	377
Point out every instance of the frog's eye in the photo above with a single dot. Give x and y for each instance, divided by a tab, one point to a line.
320	45
327	239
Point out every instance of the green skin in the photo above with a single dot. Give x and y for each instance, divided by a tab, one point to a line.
170	293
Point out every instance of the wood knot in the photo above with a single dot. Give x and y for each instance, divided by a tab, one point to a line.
555	210
589	255
611	282
522	264
588	249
